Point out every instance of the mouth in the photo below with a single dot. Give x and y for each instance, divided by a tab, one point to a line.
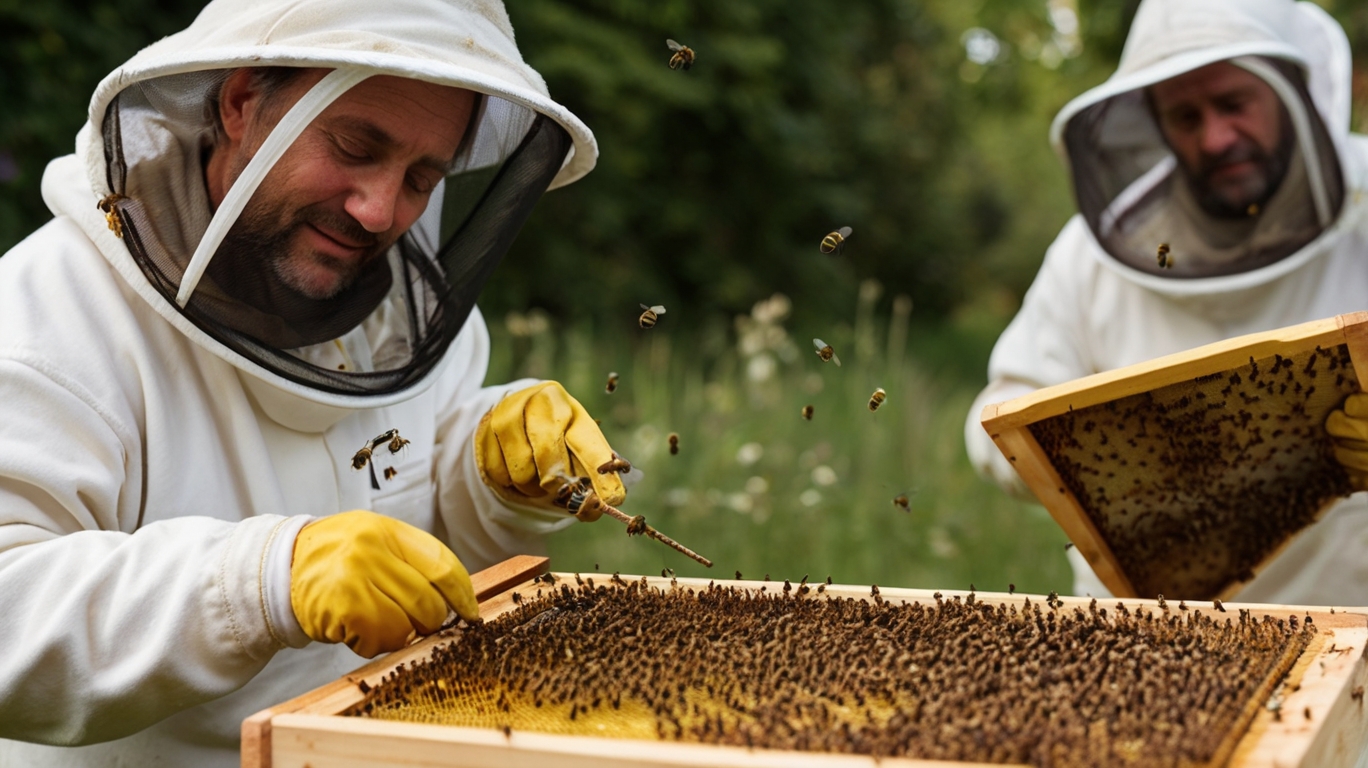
334	244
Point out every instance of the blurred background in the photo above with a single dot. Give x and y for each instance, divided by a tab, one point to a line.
922	124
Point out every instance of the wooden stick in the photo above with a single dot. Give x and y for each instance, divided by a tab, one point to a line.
618	514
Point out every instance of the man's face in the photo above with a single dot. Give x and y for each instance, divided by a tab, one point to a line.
1227	129
353	182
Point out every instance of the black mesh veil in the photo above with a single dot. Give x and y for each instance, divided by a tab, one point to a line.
409	305
1135	196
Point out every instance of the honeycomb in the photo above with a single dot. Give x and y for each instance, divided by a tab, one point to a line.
1195	484
793	667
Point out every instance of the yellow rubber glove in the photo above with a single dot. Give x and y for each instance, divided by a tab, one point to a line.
368	581
534	439
1348	426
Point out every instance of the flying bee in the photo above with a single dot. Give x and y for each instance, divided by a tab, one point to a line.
877	399
825	352
362	458
611	386
807	412
650	315
1165	260
835	242
683	55
901	501
616	464
674	443
390	472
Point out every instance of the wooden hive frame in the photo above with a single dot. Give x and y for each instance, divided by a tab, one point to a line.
1009	423
1326	683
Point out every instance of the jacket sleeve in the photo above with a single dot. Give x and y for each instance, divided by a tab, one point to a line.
1046	343
481	528
109	627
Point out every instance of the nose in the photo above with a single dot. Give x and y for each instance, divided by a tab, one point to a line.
374	201
1218	134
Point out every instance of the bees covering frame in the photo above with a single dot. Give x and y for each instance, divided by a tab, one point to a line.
1151	518
309	729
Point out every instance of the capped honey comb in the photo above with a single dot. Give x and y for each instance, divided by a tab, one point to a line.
1194	484
787	667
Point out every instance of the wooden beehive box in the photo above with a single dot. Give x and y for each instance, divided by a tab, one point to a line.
1325	723
1185	475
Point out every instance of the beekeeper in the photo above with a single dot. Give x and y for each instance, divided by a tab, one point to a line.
1224	133
265	254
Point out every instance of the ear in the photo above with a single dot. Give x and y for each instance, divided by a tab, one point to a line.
238	104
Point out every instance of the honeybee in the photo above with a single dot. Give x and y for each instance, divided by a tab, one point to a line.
636	526
362	458
396	443
901	500
877	399
807	412
568	489
1165	260
584	506
611	386
616	464
390	472
825	352
683	55
674	443
650	315
835	242
107	205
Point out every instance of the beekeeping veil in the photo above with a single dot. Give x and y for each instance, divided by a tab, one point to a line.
1129	185
154	118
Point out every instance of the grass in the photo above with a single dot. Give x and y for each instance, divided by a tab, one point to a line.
760	490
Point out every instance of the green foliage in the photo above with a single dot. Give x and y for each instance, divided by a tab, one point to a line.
715	185
759	489
53	54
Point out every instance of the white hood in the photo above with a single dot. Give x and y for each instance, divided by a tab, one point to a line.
1109	126
462	43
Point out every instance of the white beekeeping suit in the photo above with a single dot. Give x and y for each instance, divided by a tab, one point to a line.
1101	301
167	426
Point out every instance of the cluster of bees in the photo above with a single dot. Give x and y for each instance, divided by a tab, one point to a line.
361	459
786	668
1195	484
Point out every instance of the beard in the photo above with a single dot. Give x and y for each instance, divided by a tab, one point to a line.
1232	199
265	237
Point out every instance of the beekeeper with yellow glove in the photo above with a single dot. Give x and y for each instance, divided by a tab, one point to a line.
265	253
1348	428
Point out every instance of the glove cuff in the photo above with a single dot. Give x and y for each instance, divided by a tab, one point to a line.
275	583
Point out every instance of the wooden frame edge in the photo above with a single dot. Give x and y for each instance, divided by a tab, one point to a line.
494	580
1029	459
1170	369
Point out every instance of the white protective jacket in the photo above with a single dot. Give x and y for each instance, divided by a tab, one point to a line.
152	479
1090	310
